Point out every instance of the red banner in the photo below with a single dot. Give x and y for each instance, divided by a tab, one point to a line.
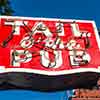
48	46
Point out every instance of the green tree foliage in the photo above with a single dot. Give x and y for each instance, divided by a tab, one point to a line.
5	8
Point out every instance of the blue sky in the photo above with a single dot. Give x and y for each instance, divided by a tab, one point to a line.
31	95
69	9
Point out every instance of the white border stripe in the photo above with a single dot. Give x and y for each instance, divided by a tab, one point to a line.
46	19
50	73
96	34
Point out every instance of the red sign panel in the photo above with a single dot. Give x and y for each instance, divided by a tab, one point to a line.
48	46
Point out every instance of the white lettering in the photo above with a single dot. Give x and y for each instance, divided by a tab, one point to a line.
17	25
78	58
45	60
60	29
20	56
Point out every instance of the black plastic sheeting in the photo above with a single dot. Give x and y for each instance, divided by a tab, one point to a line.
29	81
